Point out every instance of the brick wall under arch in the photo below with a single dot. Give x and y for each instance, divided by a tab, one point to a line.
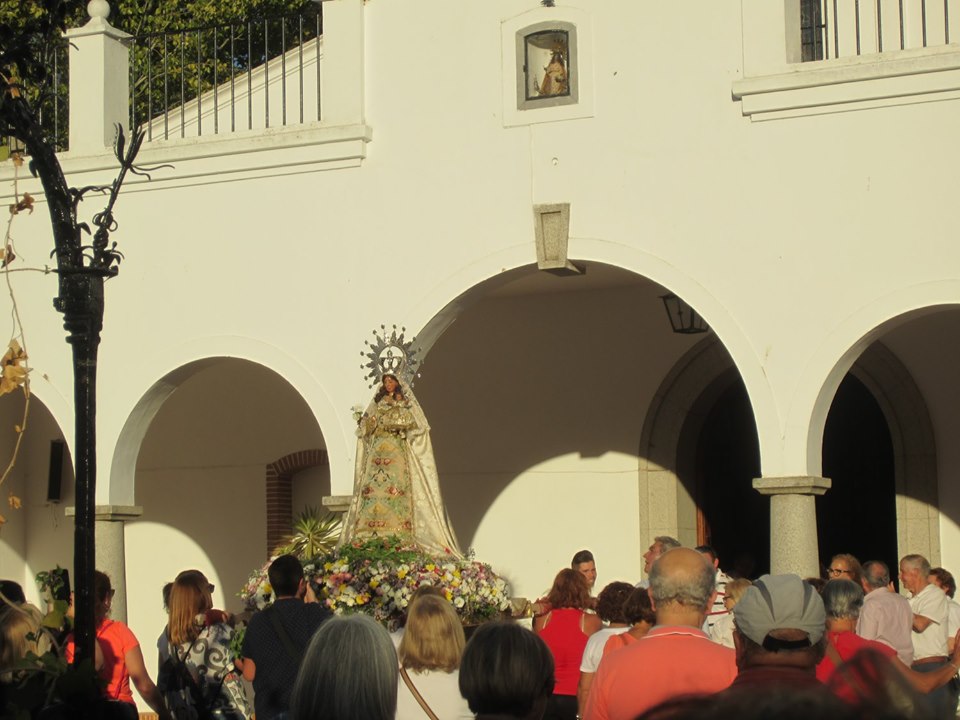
279	476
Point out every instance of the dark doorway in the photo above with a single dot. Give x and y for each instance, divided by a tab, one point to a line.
858	514
732	516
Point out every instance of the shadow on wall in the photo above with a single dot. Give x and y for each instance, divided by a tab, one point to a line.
202	463
524	378
38	535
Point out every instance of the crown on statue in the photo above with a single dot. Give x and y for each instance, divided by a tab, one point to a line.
390	354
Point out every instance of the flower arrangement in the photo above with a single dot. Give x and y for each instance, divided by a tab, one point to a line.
257	592
379	577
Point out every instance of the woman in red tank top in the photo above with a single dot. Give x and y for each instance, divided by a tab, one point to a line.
565	630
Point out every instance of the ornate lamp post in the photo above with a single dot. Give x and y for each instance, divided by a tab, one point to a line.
81	268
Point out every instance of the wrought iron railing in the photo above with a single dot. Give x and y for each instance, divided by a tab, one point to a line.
50	101
218	79
846	28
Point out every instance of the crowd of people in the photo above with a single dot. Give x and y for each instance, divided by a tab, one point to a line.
689	643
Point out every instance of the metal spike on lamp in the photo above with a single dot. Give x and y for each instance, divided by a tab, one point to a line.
683	318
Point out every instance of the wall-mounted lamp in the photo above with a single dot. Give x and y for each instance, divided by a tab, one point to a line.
683	318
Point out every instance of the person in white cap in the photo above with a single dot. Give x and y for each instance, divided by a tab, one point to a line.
780	623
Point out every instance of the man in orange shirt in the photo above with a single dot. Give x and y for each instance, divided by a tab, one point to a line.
676	657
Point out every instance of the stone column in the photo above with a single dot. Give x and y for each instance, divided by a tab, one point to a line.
793	523
111	559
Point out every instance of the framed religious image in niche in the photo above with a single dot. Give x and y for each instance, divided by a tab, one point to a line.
547	76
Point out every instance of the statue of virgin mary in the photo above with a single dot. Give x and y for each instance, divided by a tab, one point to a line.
396	490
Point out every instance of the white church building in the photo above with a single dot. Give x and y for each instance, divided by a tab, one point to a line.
783	169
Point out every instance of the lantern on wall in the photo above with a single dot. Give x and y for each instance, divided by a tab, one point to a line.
683	318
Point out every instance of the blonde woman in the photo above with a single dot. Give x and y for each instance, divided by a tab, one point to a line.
430	653
722	630
199	650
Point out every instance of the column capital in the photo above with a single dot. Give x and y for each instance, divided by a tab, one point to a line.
794	485
336	503
110	512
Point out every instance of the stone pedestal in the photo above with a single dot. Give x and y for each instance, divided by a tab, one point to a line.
110	521
793	523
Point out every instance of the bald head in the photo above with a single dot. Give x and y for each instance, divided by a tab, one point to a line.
682	577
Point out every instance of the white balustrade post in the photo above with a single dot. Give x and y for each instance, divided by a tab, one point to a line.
771	36
341	87
99	82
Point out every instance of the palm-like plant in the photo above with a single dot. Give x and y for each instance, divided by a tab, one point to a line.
313	534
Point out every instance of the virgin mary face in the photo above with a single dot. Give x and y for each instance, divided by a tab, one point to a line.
390	385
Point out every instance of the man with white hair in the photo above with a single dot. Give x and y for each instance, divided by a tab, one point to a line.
930	618
660	545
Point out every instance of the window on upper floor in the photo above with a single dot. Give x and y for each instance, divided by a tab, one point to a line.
832	29
811	30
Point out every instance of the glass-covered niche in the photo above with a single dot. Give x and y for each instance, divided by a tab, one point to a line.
547	55
547	75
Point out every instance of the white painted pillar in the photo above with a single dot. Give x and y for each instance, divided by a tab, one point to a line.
341	85
793	523
99	82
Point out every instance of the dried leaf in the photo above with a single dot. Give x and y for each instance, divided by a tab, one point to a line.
14	373
14	501
8	257
17	158
25	203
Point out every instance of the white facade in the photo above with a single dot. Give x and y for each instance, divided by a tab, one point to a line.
803	210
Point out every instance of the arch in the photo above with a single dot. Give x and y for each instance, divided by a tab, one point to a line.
279	484
201	354
914	449
500	267
675	416
806	414
704	372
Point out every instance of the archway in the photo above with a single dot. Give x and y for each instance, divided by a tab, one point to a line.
537	396
38	535
701	432
201	480
858	515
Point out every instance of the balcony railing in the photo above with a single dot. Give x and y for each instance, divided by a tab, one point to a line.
219	79
50	100
833	29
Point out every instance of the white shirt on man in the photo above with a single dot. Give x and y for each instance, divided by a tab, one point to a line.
931	603
953	618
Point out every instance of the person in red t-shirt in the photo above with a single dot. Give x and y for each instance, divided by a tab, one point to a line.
122	660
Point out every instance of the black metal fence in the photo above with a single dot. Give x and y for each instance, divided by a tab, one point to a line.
50	101
846	28
219	79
